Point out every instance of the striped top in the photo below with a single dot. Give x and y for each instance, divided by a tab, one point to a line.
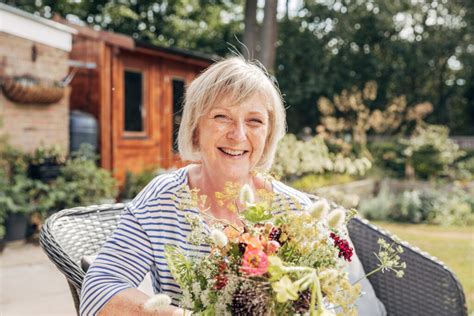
155	218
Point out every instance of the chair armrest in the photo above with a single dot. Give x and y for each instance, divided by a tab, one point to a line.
428	287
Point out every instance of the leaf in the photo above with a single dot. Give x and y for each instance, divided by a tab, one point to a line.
257	213
180	266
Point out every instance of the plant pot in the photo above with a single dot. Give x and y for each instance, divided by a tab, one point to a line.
2	244
16	226
27	89
44	172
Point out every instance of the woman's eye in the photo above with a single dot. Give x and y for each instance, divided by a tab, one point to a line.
221	117
256	121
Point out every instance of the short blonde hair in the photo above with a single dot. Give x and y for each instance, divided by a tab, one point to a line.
236	79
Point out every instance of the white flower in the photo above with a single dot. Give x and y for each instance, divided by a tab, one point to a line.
246	194
319	209
218	238
336	218
157	302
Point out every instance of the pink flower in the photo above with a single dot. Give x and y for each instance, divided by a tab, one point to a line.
254	262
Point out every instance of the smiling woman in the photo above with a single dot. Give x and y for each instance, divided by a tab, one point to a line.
233	118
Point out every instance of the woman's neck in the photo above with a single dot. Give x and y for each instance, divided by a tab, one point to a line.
208	184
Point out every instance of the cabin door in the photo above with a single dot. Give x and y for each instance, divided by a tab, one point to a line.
136	115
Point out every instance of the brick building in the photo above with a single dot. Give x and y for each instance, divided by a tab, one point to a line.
33	47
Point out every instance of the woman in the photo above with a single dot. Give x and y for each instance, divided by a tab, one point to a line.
233	118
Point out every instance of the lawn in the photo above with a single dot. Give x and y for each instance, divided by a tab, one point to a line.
456	250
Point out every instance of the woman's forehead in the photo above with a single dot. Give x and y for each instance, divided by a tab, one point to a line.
255	103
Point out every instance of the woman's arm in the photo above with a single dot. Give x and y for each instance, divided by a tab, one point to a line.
130	302
120	266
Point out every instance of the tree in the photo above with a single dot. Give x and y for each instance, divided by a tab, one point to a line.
251	29
420	50
269	35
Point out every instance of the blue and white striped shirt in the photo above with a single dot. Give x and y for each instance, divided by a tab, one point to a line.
152	220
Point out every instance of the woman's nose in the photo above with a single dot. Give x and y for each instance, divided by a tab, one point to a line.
238	132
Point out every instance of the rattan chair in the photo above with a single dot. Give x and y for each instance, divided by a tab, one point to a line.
428	288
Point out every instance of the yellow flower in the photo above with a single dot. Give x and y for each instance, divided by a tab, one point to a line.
275	268
285	290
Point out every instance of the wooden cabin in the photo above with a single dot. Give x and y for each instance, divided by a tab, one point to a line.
134	90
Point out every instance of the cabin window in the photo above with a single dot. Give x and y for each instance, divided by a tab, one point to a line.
134	107
178	98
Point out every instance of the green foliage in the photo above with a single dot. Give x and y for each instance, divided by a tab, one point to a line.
441	207
429	151
81	182
379	207
388	156
311	182
417	49
134	183
324	49
257	213
43	155
181	268
312	156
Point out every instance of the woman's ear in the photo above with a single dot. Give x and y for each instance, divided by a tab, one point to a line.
196	138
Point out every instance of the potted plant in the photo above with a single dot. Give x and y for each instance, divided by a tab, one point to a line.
82	182
17	203
45	163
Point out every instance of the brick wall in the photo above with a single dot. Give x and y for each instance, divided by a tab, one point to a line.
29	126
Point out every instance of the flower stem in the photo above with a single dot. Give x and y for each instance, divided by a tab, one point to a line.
367	275
313	299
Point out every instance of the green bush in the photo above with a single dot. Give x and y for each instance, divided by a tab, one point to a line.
388	156
81	182
447	207
379	207
311	182
134	183
428	152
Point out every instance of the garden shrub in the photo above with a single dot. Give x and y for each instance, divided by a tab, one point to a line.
312	156
311	182
134	183
440	207
378	207
428	152
81	182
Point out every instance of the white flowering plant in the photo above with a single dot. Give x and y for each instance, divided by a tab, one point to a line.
277	262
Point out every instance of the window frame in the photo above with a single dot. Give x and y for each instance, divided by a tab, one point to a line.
145	106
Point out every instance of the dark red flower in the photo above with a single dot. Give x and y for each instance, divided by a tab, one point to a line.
343	245
221	278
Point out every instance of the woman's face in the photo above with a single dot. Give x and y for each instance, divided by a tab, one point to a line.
232	138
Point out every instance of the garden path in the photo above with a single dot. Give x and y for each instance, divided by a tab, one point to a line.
30	284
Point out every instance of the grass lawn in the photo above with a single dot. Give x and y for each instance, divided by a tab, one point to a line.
452	245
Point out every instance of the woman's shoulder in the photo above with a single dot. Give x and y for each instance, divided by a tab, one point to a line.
162	188
290	193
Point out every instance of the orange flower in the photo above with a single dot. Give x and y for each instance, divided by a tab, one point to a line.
252	242
232	233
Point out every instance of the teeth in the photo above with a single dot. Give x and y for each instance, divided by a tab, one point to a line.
233	152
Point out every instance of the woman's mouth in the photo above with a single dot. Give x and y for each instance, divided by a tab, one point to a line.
233	152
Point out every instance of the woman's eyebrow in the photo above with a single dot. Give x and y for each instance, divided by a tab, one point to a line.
257	112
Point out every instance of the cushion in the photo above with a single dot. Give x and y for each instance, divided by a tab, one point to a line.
368	304
145	286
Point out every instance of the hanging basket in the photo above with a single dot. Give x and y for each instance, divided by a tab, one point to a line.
27	89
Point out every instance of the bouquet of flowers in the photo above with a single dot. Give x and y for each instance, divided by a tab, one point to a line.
278	262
